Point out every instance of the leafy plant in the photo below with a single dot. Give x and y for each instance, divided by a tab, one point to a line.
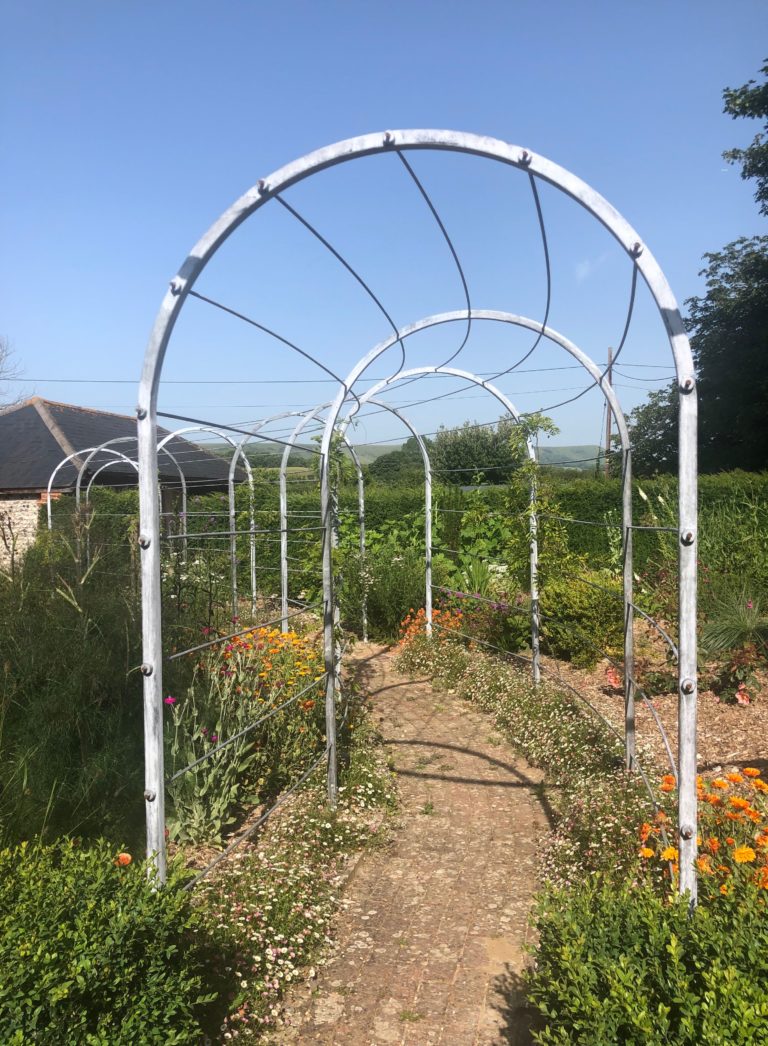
91	951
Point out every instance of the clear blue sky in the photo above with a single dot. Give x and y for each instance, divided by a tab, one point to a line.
128	127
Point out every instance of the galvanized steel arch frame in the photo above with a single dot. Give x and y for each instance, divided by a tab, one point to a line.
538	167
626	475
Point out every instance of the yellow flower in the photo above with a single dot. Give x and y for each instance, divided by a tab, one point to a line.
670	854
744	855
646	851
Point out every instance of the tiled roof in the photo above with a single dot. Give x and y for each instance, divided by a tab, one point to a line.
38	434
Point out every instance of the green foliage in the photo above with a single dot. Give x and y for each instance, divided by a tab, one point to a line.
623	966
653	433
729	328
70	717
474	453
581	622
92	952
234	685
751	101
404	465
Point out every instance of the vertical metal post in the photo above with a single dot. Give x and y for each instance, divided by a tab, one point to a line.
428	609
361	524
152	646
284	543
630	754
534	568
329	638
232	544
687	680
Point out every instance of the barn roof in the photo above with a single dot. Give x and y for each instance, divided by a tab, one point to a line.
37	435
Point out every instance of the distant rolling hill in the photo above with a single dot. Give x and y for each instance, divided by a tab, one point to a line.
268	454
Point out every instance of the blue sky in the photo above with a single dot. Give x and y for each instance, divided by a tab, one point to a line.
129	127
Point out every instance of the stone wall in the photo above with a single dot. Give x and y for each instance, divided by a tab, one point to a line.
19	514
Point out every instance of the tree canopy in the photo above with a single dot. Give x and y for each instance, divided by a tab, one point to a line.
751	101
728	326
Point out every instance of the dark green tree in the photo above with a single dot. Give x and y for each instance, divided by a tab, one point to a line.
474	453
653	435
729	329
729	336
751	101
399	466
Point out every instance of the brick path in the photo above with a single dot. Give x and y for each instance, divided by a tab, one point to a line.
429	945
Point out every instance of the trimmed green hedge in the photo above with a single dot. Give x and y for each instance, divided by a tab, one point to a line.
91	952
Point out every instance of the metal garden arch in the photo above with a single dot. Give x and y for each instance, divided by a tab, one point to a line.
536	167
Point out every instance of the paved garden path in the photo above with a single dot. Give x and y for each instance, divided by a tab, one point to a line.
430	941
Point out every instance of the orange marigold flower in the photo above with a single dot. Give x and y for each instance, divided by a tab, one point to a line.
744	855
646	851
761	786
730	840
123	859
739	803
667	787
712	799
762	840
762	878
704	864
645	831
712	844
725	889
734	817
720	783
668	779
669	854
736	778
751	771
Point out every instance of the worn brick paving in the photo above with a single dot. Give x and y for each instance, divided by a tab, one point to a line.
430	942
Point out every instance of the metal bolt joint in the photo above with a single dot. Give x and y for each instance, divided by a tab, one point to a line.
176	287
141	413
144	541
687	538
687	385
688	686
146	670
686	831
525	158
636	249
149	795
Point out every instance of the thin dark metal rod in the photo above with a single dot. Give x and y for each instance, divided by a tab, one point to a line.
231	428
628	675
233	533
451	248
273	334
483	642
246	730
545	245
236	635
257	824
618	595
499	604
627	324
613	730
585	522
310	228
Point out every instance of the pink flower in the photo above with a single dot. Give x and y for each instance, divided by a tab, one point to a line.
214	738
750	605
169	700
